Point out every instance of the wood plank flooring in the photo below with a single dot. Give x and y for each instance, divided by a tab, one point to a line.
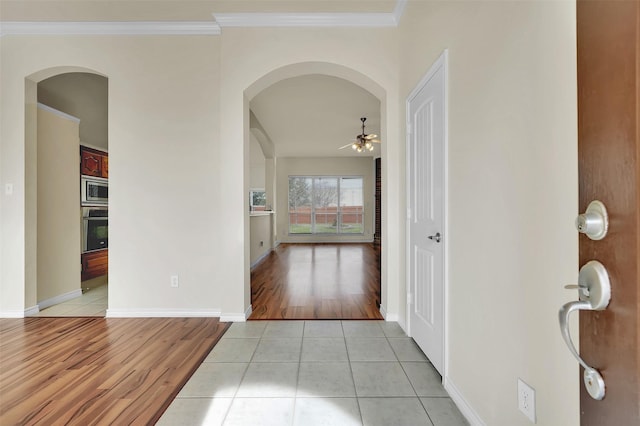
85	371
317	281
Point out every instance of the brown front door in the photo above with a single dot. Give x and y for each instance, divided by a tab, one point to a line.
608	145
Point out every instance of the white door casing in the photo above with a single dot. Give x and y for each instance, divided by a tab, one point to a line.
426	236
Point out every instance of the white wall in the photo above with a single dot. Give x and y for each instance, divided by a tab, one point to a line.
261	225
164	162
59	218
164	133
257	165
254	58
512	196
512	176
339	166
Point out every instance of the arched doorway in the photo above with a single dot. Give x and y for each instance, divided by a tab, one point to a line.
66	108
290	81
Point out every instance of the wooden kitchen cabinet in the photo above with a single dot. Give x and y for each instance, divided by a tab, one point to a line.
104	172
94	162
94	264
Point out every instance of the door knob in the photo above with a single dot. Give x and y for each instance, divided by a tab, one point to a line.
594	290
437	237
594	222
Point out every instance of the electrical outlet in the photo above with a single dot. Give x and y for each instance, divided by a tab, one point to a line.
261	243
175	282
8	189
527	400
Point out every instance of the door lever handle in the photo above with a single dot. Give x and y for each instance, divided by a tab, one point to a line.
437	237
595	292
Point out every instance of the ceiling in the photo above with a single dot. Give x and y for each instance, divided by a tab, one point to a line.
174	10
84	96
314	115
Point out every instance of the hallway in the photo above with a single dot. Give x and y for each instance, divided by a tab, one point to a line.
342	373
317	281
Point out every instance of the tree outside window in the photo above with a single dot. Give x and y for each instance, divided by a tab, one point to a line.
257	199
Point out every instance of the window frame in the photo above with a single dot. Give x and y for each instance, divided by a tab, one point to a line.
251	205
339	212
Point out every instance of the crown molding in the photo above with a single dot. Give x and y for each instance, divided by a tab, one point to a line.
110	28
305	20
351	20
399	10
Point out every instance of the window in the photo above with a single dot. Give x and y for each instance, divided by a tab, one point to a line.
257	200
326	205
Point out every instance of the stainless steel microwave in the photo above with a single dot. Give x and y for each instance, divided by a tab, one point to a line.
94	191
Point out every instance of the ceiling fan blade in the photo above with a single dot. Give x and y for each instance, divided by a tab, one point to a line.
371	136
375	141
347	145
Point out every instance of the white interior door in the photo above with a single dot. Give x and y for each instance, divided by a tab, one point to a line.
425	168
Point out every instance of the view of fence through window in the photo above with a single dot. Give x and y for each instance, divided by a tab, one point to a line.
325	205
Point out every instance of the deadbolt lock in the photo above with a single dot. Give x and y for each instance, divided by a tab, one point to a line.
594	223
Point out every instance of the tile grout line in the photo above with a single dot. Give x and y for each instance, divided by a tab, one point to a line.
295	395
353	379
411	383
244	374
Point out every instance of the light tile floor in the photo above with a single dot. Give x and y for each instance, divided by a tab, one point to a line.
309	373
92	303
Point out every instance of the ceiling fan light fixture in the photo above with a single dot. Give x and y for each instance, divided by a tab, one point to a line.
363	142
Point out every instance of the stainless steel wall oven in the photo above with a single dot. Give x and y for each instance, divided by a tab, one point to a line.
95	228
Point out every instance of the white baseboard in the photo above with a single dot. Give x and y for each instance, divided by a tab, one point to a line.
34	310
383	312
261	258
43	304
162	313
387	316
465	408
237	317
14	313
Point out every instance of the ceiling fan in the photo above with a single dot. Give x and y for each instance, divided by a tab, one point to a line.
363	141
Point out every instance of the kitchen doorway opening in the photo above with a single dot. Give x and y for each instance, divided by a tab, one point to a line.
67	175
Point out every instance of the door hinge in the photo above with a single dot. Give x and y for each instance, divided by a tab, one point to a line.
409	298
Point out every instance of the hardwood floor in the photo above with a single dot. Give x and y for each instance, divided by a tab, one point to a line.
317	281
82	371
